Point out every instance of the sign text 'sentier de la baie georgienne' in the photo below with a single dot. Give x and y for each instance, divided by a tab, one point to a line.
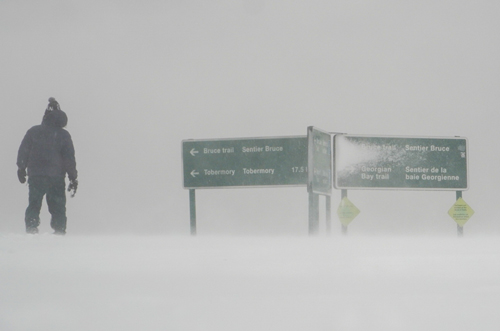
400	163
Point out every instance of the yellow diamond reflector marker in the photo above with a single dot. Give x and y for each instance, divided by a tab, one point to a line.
461	212
347	211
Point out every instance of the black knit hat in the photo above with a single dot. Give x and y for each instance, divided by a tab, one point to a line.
54	116
53	104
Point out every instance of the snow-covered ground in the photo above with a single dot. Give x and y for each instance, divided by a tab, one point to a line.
92	283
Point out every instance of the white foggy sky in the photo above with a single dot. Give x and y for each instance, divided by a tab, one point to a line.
136	79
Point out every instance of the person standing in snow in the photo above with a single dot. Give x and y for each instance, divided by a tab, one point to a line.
48	154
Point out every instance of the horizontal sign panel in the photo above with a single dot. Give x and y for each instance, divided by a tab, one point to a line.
363	162
279	161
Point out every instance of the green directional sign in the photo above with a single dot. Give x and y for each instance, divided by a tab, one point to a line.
319	161
275	161
363	162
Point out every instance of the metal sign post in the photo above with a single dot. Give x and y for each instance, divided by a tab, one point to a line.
319	161
192	211
398	163
461	212
460	228
242	162
319	175
313	213
343	195
363	162
329	214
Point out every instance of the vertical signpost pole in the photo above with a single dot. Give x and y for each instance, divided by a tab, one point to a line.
328	214
319	175
344	195
192	211
460	229
313	213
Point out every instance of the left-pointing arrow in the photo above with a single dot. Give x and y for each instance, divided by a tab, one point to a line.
194	173
193	152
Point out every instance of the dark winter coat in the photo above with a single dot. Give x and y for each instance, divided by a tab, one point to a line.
47	149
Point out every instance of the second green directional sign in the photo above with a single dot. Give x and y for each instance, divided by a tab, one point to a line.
363	162
320	161
276	161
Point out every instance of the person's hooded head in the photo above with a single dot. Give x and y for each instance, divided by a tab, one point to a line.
54	116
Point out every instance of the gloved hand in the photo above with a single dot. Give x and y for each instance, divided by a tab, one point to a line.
73	186
21	174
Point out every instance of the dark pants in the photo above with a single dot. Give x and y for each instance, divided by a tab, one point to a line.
54	188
